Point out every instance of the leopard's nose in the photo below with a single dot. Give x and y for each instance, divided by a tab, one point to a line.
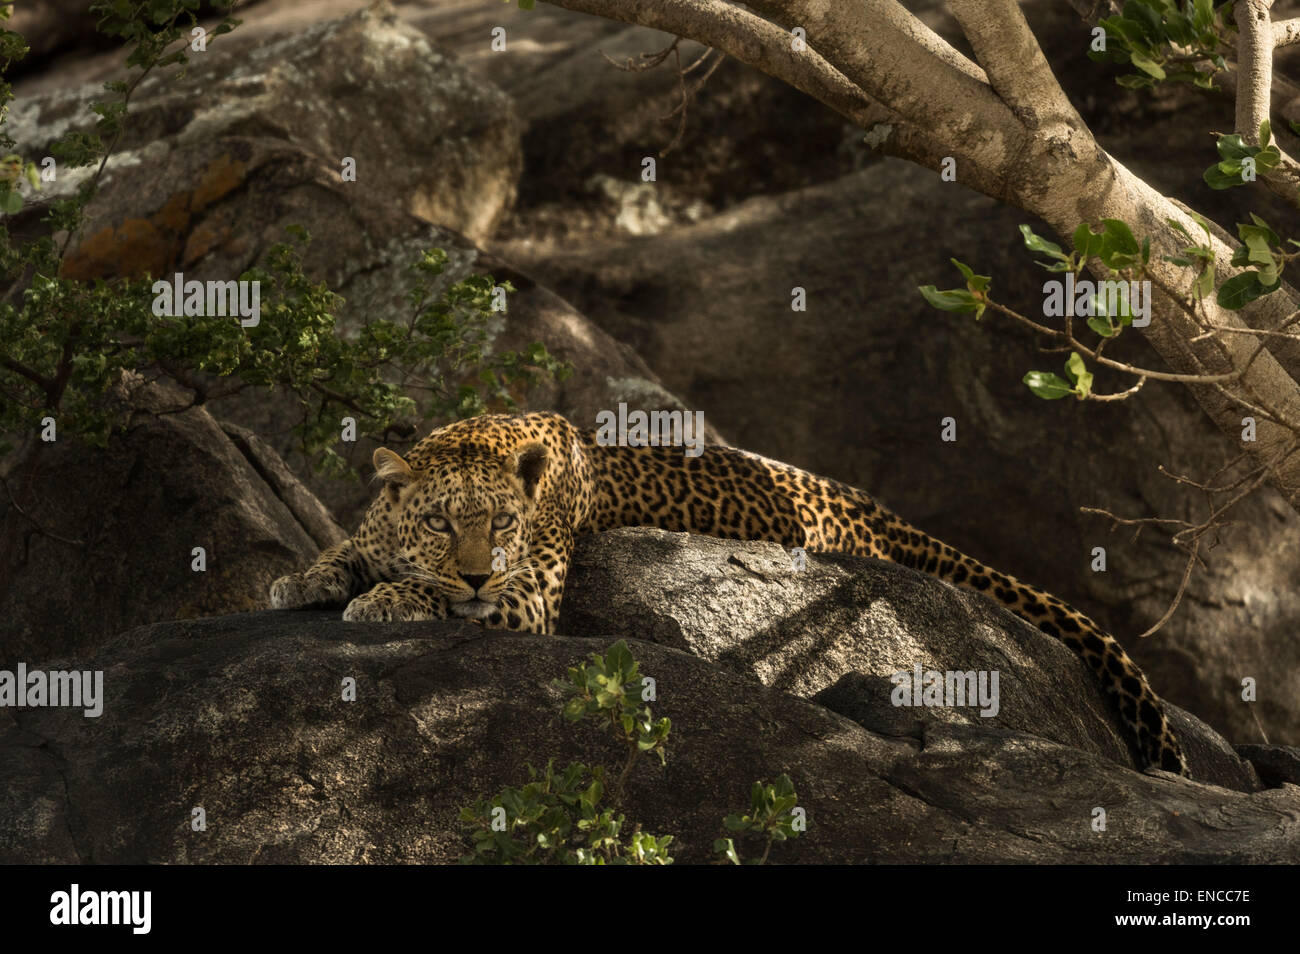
475	580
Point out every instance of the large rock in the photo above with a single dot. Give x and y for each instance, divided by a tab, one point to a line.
869	371
242	716
102	540
838	628
338	89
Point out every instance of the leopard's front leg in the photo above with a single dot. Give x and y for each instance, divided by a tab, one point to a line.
397	602
522	607
334	578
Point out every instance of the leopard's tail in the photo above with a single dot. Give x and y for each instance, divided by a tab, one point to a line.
1141	709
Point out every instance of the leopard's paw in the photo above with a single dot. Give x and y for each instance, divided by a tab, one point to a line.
298	590
377	608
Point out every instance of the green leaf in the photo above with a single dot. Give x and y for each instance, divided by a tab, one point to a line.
1079	373
1135	81
1205	281
1102	327
976	283
1047	385
1148	66
1232	146
1203	222
1178	27
1257	250
1087	243
1146	19
1260	223
1036	243
1217	177
1202	14
1119	236
1240	290
1267	158
955	299
1265	133
727	848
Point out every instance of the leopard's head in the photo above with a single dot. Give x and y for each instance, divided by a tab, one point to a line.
463	520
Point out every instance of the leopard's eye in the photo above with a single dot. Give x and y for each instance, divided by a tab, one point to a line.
502	520
437	524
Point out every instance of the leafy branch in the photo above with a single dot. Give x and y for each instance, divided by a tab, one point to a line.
570	816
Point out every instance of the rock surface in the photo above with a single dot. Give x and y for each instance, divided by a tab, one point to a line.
104	538
242	716
338	89
836	630
1276	764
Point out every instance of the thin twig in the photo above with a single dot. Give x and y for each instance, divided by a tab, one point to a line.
1178	597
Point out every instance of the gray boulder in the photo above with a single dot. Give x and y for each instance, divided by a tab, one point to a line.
1276	764
95	541
838	628
337	89
242	716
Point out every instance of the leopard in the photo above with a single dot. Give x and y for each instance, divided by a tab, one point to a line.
479	519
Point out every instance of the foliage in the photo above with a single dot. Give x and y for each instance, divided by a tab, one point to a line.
557	817
67	341
1164	42
771	816
610	689
1240	162
1049	387
571	816
1124	259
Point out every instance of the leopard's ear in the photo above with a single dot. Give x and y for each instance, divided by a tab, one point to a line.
392	470
530	464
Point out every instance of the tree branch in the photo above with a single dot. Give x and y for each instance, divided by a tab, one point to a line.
1254	66
1254	91
931	103
1286	32
747	38
42	382
1016	67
